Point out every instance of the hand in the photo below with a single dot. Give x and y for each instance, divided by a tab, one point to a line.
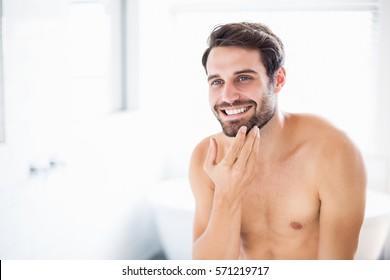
238	167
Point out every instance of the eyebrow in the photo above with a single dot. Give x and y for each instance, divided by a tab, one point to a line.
245	71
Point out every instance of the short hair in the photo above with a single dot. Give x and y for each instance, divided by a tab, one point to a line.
251	36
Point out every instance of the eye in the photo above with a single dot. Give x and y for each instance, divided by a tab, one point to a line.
244	78
216	82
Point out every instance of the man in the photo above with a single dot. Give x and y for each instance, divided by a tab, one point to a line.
272	185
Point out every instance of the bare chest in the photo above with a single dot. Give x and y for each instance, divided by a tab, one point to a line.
282	203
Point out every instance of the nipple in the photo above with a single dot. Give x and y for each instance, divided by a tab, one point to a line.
296	225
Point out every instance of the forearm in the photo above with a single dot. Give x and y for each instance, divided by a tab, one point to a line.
221	239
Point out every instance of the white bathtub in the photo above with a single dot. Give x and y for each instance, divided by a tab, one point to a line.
174	209
174	206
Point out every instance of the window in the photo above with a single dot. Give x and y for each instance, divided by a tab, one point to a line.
330	59
96	69
2	129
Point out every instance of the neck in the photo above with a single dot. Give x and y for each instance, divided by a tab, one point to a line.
272	137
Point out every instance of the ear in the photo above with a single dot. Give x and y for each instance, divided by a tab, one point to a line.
280	79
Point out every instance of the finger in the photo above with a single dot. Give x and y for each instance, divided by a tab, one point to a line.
236	146
255	151
211	158
247	149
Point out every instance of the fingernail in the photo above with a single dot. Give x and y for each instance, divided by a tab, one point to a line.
243	129
255	130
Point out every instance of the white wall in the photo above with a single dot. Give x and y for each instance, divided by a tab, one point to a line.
383	115
383	94
92	204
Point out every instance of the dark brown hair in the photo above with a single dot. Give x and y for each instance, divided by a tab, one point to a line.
251	36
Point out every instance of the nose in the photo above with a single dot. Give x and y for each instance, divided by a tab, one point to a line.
229	93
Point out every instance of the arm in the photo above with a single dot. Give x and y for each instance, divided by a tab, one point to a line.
218	189
342	196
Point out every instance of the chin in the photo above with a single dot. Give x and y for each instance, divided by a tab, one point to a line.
231	129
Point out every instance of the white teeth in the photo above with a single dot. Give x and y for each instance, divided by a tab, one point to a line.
235	111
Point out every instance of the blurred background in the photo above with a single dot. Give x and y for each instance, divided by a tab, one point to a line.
102	100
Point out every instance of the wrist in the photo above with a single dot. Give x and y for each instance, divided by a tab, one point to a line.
227	201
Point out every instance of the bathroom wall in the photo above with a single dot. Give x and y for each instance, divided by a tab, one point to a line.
383	113
86	197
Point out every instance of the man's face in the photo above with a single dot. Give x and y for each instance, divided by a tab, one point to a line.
239	89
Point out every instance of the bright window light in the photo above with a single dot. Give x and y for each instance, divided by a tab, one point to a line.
329	60
93	88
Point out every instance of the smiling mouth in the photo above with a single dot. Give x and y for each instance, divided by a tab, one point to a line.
235	111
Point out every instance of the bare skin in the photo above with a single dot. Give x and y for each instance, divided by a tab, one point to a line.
295	189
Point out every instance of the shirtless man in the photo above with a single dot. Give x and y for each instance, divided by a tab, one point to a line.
272	185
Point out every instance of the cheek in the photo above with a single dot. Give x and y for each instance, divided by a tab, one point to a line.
213	98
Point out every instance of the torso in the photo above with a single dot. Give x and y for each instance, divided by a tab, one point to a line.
280	211
280	214
311	169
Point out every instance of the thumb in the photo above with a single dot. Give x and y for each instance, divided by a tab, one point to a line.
211	158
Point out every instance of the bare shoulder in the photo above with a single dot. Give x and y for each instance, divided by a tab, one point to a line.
321	134
337	159
199	154
200	151
197	176
201	185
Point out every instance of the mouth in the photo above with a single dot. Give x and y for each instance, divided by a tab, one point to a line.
235	112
